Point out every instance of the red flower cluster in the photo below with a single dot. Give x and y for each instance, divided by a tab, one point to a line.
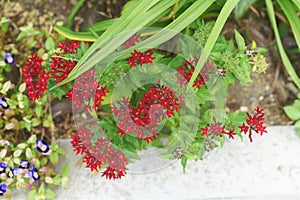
216	129
138	58
85	87
254	123
69	46
60	68
99	154
131	41
35	77
147	114
187	69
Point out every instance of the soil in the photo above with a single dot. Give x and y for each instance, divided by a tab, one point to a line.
271	90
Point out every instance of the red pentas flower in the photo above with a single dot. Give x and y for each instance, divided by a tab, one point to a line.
99	153
111	173
139	58
156	104
131	41
254	123
187	69
60	68
68	46
216	129
35	77
85	87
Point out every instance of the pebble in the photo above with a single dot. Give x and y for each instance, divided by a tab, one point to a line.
244	109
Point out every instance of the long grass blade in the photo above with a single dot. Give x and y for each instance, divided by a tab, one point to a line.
223	16
289	10
287	63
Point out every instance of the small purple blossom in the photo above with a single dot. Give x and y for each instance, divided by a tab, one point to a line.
3	167
14	172
24	164
42	146
33	173
9	58
3	188
3	102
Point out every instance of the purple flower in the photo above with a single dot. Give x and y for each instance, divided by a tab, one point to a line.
42	146
8	58
3	167
3	188
24	164
3	102
14	172
33	173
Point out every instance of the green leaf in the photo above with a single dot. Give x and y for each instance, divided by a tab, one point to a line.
65	170
22	146
57	180
183	162
22	87
292	112
60	151
37	164
41	190
31	194
54	158
28	153
50	44
38	110
50	194
240	41
21	36
223	16
35	122
32	139
17	153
